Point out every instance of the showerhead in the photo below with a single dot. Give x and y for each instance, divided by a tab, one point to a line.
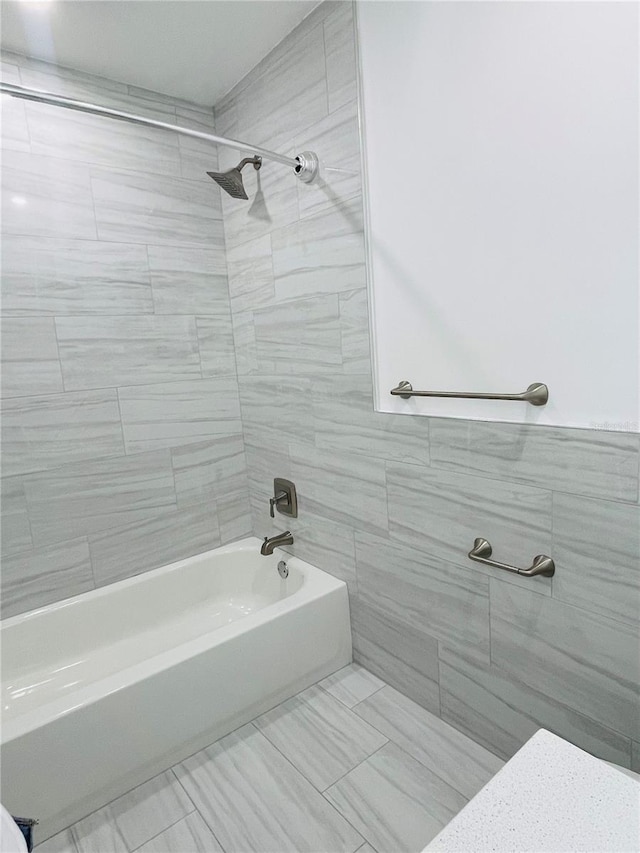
231	181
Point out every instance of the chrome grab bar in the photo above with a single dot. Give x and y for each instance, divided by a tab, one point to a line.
537	394
542	565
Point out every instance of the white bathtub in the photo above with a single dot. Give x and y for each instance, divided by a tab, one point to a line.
102	691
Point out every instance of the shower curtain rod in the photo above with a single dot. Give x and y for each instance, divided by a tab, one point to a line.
305	164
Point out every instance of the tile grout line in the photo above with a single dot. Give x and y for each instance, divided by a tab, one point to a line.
140	846
321	793
119	386
410	757
438	642
186	793
291	762
202	246
415	758
628	623
115	799
552	532
351	707
520	481
490	625
359	764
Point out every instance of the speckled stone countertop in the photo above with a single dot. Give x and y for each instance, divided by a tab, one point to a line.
551	797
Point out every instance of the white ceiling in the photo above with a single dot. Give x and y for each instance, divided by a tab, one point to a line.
193	49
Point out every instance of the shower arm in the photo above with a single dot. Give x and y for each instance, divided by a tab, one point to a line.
305	165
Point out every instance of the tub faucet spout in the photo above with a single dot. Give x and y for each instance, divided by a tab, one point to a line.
275	542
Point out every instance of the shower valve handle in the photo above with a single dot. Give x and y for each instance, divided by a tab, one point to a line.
275	500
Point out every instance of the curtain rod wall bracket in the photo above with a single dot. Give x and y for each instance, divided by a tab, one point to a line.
307	167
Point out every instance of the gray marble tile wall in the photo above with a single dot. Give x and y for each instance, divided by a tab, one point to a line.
122	444
392	504
167	351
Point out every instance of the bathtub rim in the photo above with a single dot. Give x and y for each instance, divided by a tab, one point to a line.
316	584
99	592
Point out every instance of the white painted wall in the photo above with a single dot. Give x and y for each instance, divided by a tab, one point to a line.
502	158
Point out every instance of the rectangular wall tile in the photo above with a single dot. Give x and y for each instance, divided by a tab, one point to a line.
287	93
320	737
42	575
143	208
344	420
340	487
107	351
325	544
142	94
458	760
122	552
596	545
340	48
336	139
586	462
189	281
300	337
419	590
500	712
310	22
39	433
40	74
91	496
54	276
244	775
244	336
224	114
321	254
234	517
170	414
443	513
275	409
405	657
250	268
87	87
9	67
210	469
394	801
15	531
30	363
46	197
583	660
81	138
264	462
216	345
15	133
354	331
197	156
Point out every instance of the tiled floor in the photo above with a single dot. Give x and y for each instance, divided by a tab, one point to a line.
348	765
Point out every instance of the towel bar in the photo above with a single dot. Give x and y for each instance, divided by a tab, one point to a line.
537	394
